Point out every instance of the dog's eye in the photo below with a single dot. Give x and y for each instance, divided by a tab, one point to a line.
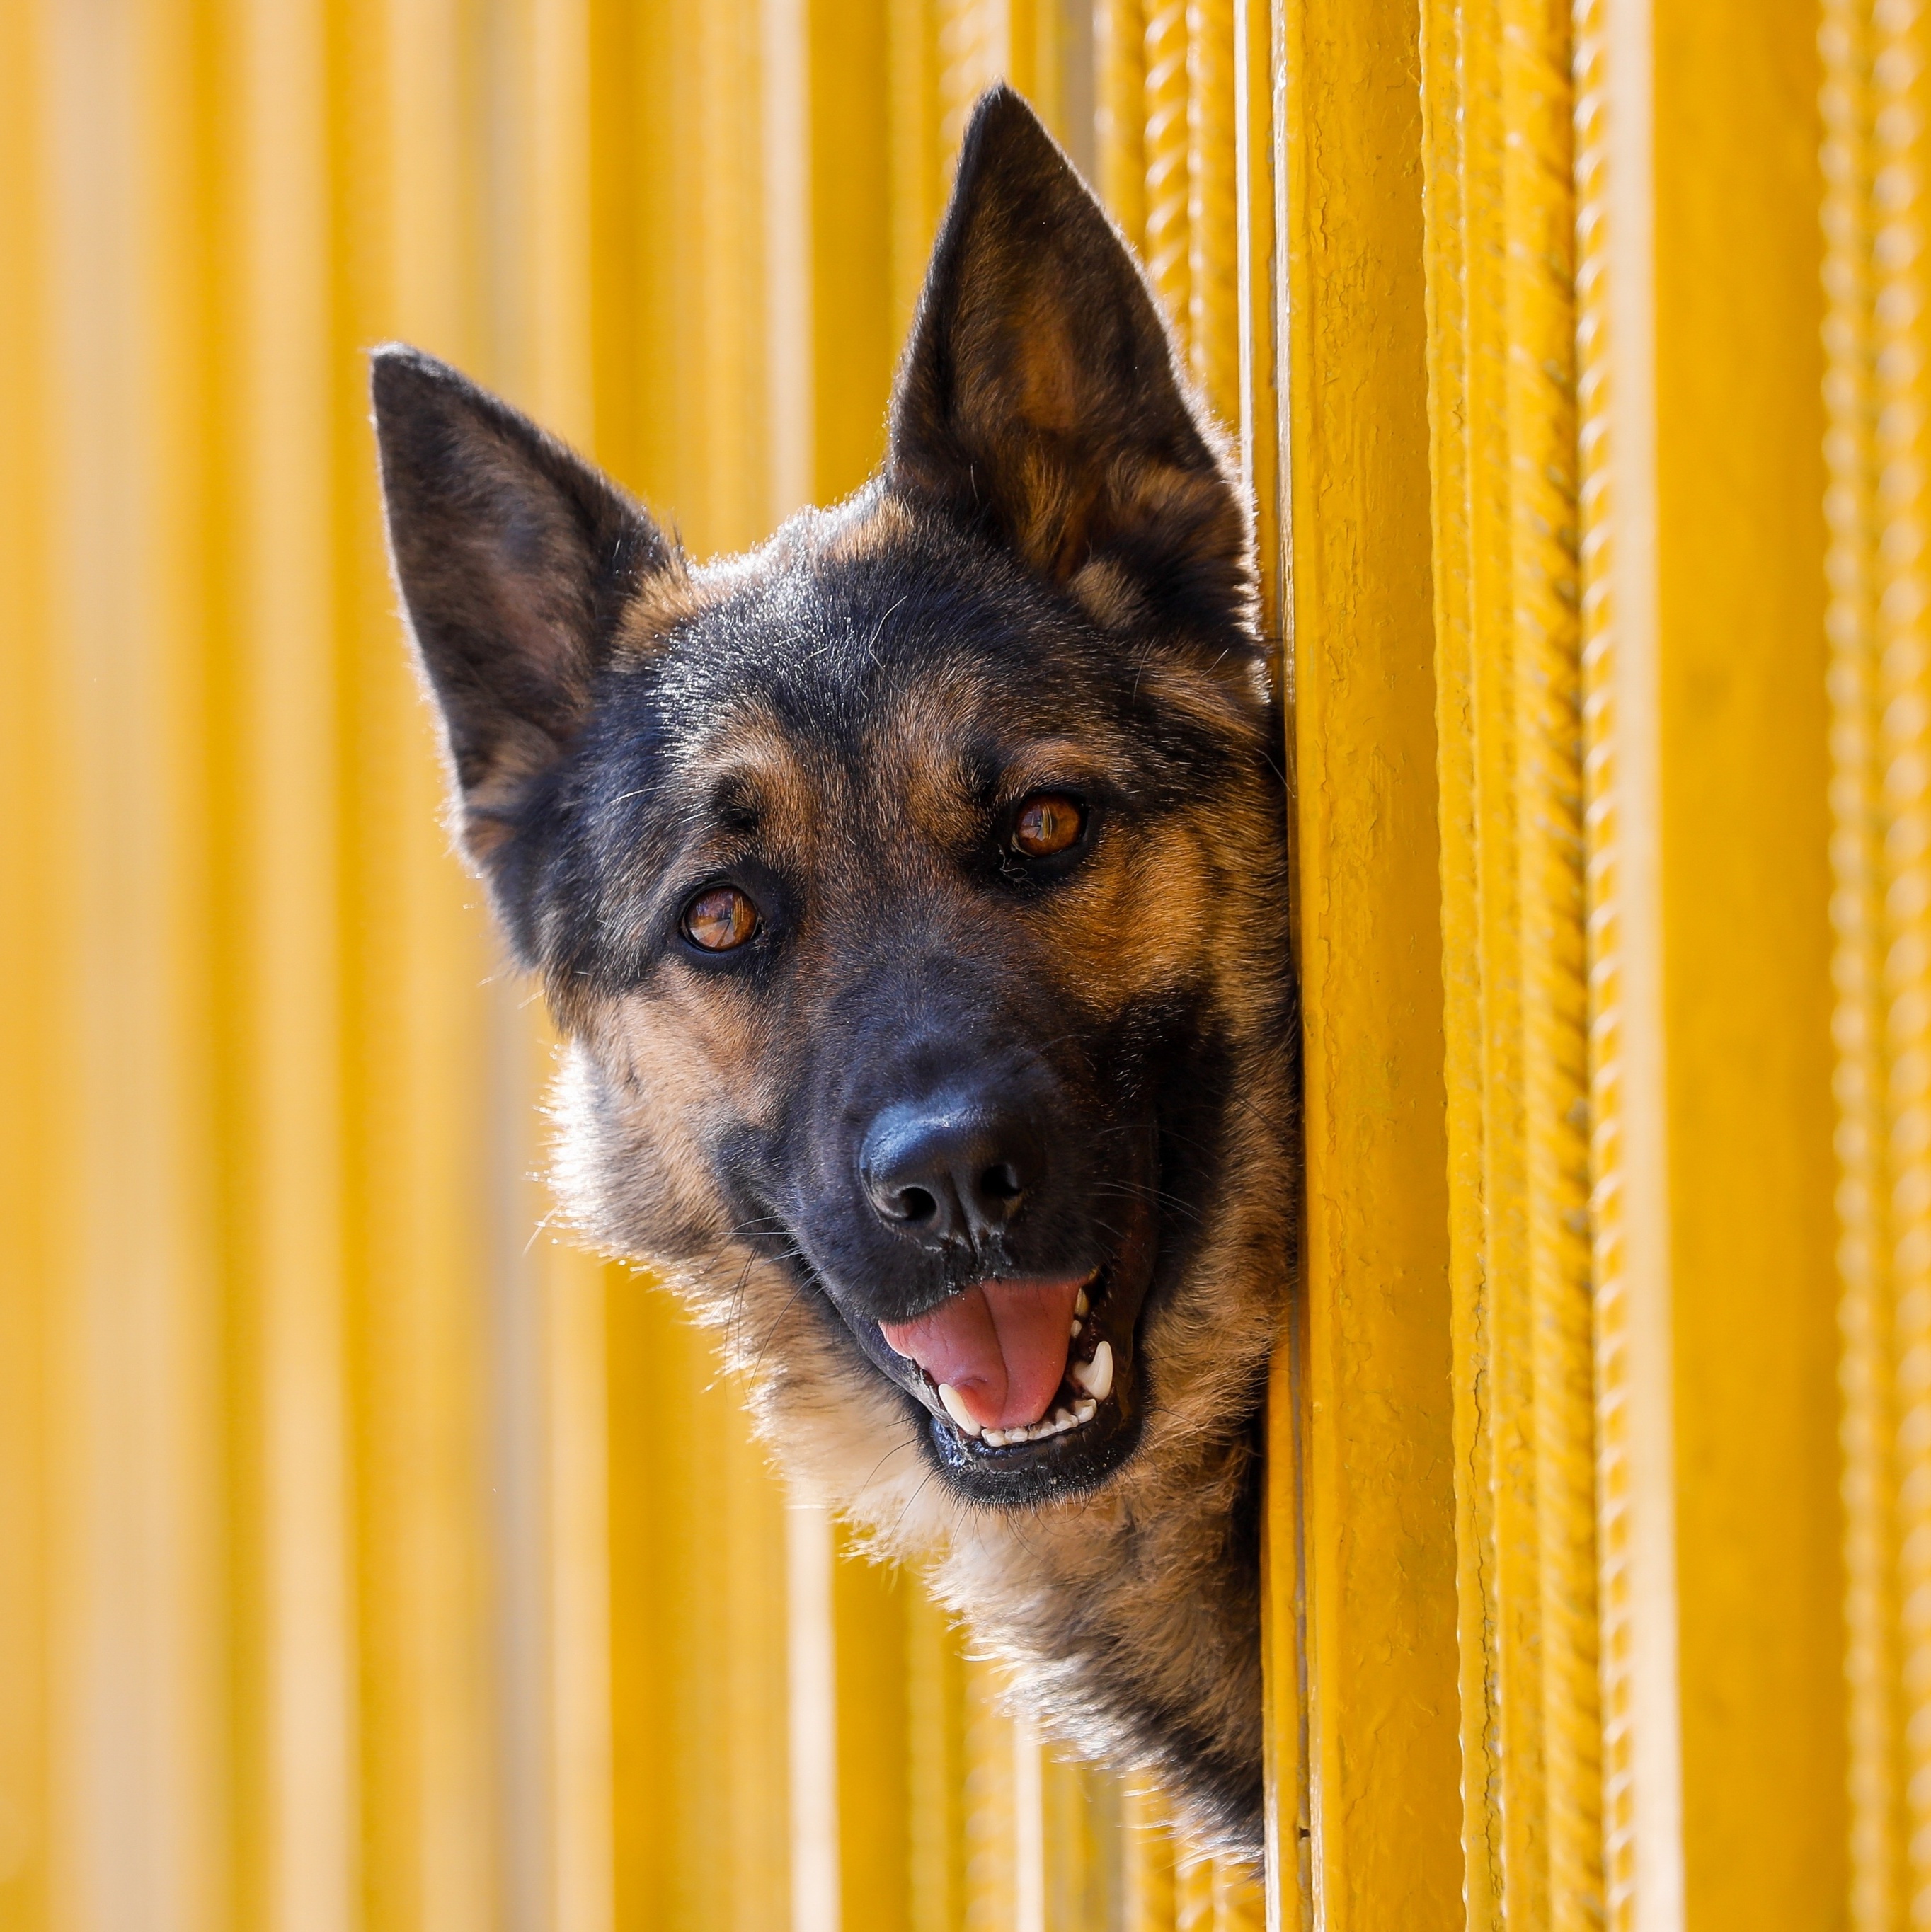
720	919
1048	822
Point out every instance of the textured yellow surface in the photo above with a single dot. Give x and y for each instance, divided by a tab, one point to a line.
1745	893
365	1564
1377	1495
1508	667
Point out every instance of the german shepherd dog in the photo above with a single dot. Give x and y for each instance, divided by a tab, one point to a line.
911	895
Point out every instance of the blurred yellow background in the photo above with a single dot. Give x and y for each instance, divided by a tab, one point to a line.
368	1557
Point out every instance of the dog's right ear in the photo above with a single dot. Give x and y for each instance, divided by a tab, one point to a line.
1039	399
516	560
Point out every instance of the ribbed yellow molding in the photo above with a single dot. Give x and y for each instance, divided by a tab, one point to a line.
1501	1610
1546	591
1606	884
1213	207
1875	100
1501	311
1167	244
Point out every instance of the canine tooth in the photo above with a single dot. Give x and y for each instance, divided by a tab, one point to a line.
1085	1409
955	1407
1077	1325
1081	1305
1096	1377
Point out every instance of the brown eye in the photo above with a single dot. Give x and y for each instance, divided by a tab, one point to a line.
1048	822
720	919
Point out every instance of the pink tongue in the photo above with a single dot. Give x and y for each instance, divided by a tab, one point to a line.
1000	1344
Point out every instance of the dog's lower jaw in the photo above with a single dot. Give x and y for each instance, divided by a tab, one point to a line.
1097	1607
1128	1618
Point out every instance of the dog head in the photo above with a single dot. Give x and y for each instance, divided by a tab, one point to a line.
911	890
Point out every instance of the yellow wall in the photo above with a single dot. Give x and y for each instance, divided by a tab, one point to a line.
368	1557
365	1562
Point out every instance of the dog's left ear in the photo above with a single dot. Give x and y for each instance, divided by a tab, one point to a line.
1038	397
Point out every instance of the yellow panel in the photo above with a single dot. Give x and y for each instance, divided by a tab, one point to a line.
1375	1411
134	1818
296	1685
1745	890
31	1180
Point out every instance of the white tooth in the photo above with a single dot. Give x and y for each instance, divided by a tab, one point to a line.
955	1407
1077	1326
1085	1409
1081	1305
1062	1418
994	1439
1096	1377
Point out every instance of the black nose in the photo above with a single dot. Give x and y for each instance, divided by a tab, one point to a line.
954	1169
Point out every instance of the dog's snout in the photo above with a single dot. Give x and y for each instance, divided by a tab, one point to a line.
952	1171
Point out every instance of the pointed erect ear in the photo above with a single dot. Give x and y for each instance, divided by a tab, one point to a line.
515	560
1038	397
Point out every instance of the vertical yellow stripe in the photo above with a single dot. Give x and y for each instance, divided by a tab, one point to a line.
1542	491
1492	1329
1881	1880
991	1881
1166	244
1875	157
1635	1480
1379	1625
1213	207
139	1824
1743	820
1148	1853
917	164
289	1238
936	1695
1119	57
31	1114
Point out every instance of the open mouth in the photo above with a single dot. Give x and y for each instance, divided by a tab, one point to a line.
1032	1375
1011	1361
